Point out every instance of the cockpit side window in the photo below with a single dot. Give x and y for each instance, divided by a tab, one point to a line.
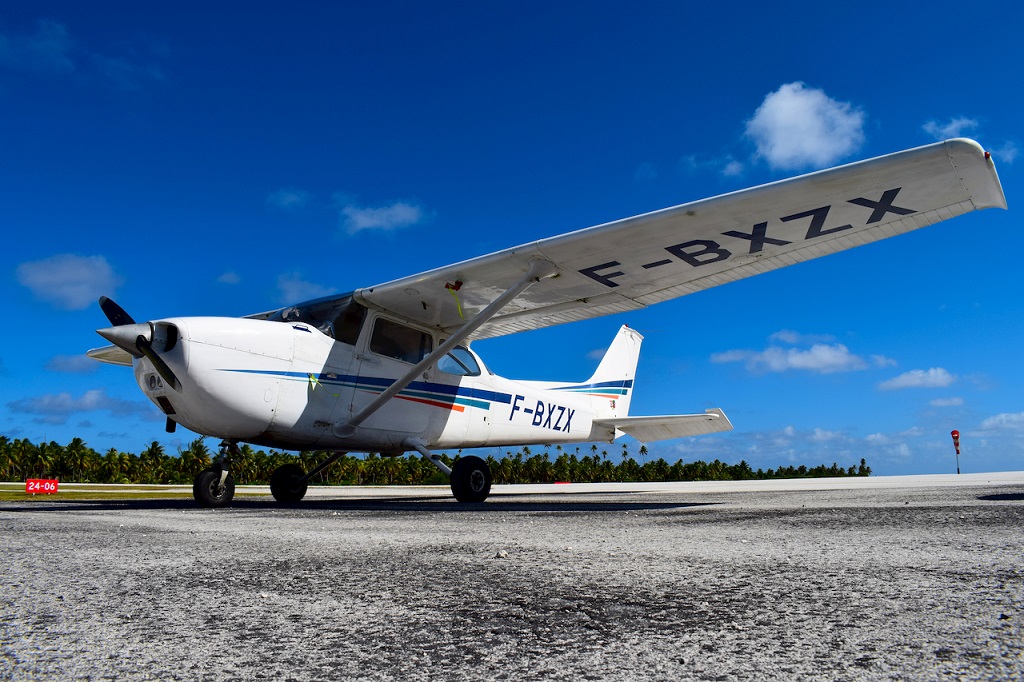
395	340
460	362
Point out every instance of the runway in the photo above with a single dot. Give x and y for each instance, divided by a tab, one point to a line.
903	577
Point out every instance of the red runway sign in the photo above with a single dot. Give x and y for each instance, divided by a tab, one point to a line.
41	486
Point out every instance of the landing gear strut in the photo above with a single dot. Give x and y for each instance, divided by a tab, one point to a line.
214	486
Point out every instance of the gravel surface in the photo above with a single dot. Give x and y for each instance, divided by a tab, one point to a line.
921	583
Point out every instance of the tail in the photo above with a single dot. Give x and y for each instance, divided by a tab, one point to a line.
611	386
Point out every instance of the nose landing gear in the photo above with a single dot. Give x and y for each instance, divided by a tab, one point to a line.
215	486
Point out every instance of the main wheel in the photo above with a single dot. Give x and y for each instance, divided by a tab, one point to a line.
471	480
208	490
286	484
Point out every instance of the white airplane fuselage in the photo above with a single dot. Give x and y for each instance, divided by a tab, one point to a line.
287	385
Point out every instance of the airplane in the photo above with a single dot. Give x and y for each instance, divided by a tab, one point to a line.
390	368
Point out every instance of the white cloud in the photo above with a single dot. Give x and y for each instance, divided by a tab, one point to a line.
125	73
794	338
1004	422
821	358
955	127
229	278
50	49
947	402
68	281
293	288
73	364
393	216
54	408
936	377
289	199
727	166
799	127
47	50
1007	153
645	172
733	168
899	451
822	436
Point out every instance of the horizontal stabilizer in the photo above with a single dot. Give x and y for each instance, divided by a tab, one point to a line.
649	429
111	355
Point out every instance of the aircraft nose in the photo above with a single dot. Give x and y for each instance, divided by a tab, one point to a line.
124	336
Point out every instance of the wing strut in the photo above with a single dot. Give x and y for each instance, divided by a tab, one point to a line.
539	269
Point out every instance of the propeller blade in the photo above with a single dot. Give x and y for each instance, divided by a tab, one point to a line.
143	345
115	313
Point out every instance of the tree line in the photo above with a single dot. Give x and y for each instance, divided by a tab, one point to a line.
76	462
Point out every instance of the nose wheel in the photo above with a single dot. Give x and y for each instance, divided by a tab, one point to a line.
215	486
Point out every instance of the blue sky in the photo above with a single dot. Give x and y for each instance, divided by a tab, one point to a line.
194	160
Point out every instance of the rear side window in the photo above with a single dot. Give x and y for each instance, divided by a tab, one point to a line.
394	340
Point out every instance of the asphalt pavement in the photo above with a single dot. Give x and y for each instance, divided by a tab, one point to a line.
917	579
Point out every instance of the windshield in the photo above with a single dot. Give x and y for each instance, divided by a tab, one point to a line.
339	317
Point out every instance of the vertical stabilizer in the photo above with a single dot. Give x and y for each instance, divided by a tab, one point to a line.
612	384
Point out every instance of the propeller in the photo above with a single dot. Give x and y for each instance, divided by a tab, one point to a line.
134	338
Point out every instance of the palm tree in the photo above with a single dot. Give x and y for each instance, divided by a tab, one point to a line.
10	462
112	466
76	458
194	459
151	463
41	458
243	464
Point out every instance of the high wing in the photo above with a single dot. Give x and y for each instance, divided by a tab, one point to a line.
636	262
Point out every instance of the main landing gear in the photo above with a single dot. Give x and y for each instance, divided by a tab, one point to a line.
471	480
288	483
470	477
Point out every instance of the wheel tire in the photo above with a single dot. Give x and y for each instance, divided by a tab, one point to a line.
471	480
286	484
208	491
